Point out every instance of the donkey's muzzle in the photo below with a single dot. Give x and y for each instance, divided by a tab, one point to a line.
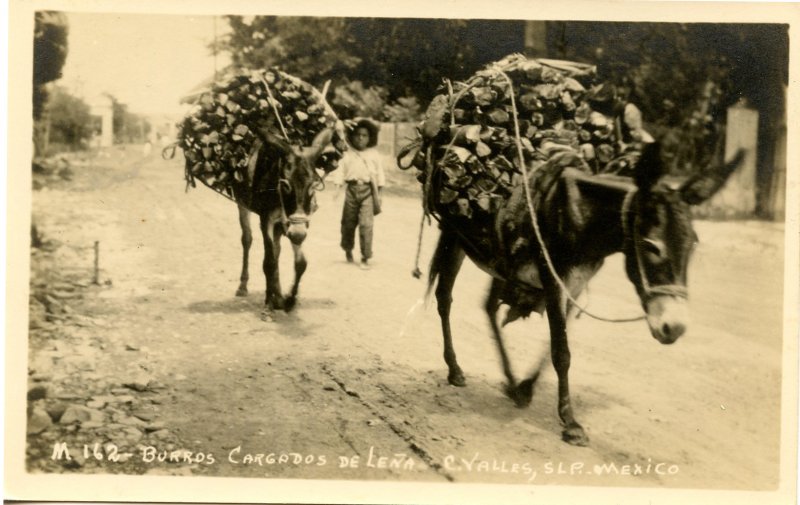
298	228
668	317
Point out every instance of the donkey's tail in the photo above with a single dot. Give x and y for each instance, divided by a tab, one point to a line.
433	273
417	273
432	276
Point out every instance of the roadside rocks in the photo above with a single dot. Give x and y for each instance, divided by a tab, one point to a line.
123	421
54	168
80	414
38	421
77	394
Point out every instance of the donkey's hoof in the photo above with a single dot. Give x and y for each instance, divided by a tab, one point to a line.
289	302
522	394
456	378
517	396
268	316
275	303
242	291
521	397
574	435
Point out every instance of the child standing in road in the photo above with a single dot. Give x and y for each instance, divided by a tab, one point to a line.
360	169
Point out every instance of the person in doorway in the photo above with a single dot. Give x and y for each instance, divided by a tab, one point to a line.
361	171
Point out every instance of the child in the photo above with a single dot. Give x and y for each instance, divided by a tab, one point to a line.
361	171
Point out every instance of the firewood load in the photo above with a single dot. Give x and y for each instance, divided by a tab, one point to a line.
227	124
467	153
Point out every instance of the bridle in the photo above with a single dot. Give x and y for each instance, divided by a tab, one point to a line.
318	184
634	237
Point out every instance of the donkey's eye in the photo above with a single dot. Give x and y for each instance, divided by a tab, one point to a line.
656	248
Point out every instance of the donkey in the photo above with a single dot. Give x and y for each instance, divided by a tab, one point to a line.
582	219
280	188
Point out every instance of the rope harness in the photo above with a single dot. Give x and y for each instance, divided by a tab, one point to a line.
649	291
295	218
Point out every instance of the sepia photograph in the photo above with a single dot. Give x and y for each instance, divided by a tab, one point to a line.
504	252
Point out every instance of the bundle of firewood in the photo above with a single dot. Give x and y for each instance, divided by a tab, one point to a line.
219	134
473	129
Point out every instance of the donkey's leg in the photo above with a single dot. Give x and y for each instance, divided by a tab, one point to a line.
573	432
300	265
492	305
447	262
276	294
577	281
247	241
273	298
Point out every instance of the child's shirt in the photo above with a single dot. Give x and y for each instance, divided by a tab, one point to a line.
360	166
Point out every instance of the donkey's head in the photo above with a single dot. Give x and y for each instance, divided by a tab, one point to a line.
298	181
661	238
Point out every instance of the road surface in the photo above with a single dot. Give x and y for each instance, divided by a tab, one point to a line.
352	384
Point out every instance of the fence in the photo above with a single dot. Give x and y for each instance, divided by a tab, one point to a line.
391	139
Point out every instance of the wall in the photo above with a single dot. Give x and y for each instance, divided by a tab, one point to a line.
391	139
737	198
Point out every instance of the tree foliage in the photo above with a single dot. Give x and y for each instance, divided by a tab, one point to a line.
356	100
314	49
679	74
49	54
403	61
70	119
667	65
127	126
411	57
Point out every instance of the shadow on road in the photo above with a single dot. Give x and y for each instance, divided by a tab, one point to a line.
231	305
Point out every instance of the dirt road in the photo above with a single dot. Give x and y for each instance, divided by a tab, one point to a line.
352	385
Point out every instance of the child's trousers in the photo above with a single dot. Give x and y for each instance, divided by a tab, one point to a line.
358	212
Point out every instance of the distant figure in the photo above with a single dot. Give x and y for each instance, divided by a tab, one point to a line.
628	126
147	148
614	101
360	169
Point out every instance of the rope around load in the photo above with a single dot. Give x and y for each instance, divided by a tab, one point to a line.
537	231
275	108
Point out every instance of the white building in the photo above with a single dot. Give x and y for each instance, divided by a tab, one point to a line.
102	106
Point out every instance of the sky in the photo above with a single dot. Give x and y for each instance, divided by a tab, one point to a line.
145	61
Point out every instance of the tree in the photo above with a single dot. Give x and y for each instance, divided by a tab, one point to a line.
127	126
406	58
668	66
313	49
411	57
49	56
70	119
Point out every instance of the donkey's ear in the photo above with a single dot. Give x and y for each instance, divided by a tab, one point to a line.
319	143
650	167
699	189
275	141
